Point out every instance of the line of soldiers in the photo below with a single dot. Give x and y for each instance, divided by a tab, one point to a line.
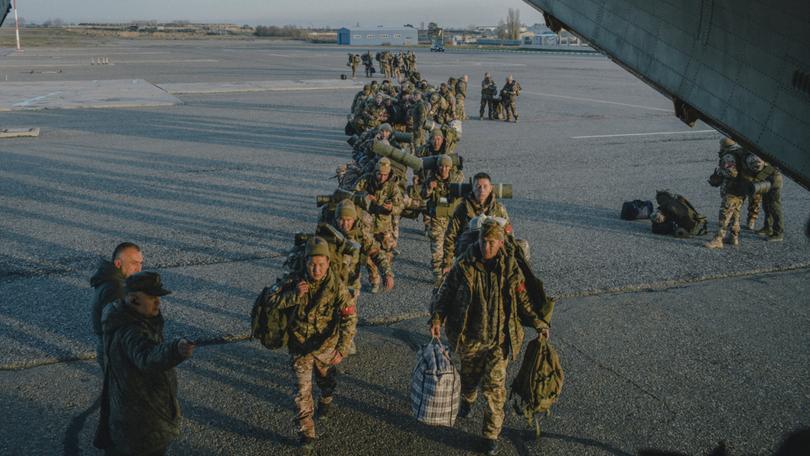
741	174
473	252
393	65
499	106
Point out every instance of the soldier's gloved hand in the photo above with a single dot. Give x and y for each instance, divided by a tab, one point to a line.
389	282
446	269
436	330
303	288
388	207
185	348
544	333
432	185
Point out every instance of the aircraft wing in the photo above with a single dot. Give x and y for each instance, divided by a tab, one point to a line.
741	66
5	7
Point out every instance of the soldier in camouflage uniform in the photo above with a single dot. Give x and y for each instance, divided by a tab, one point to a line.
436	146
756	170
321	327
509	94
483	304
140	414
385	200
374	113
348	222
461	95
108	284
436	191
417	117
369	64
488	92
354	62
732	192
480	202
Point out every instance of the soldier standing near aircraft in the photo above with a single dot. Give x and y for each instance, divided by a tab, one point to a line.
488	91
732	192
509	94
436	191
461	95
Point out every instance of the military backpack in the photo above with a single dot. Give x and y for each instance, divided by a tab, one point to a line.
538	383
268	323
676	208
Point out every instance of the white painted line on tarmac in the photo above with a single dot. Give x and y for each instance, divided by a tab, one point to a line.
593	100
646	134
31	101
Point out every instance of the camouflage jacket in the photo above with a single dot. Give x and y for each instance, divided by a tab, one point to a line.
108	283
488	89
387	192
511	90
361	234
462	216
442	189
140	381
461	88
485	304
323	319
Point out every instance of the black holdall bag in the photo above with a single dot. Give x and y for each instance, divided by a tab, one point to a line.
636	210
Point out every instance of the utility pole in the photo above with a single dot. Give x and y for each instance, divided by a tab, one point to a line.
17	26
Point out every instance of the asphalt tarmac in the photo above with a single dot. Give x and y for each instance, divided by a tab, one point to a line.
666	344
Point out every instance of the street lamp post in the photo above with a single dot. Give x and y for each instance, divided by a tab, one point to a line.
17	26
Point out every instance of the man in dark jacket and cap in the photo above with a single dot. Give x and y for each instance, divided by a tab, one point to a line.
108	282
140	414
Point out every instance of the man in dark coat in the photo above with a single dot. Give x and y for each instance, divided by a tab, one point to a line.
108	282
140	414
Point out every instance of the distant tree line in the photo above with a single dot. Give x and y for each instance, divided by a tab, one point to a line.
288	31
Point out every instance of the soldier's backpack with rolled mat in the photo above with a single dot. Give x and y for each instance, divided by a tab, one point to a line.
678	209
636	210
539	382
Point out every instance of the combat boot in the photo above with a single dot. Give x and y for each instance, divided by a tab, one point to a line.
491	447
763	232
752	223
375	287
776	237
734	240
324	408
307	443
715	243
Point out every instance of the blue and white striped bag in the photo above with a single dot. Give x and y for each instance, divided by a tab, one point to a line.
435	386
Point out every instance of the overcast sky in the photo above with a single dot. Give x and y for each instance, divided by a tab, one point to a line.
332	13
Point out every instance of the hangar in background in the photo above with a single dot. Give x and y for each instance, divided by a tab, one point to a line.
378	36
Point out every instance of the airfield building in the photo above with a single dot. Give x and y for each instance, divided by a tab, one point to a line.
378	36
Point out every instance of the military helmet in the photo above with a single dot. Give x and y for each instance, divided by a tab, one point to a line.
383	166
727	142
445	160
434	97
374	84
346	209
386	127
436	132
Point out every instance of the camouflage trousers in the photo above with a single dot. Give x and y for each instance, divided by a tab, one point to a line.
774	218
486	367
303	367
487	104
510	109
354	70
438	226
386	243
729	214
460	114
754	205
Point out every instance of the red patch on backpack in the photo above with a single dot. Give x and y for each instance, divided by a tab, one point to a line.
350	310
521	288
